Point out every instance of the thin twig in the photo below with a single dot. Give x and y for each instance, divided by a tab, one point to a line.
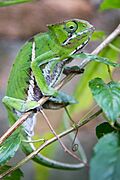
61	143
34	153
74	146
14	126
109	39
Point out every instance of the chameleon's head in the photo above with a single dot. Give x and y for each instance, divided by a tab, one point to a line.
72	34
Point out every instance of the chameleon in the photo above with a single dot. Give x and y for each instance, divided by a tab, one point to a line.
36	70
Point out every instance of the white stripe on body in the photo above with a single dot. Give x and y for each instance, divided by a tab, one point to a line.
31	121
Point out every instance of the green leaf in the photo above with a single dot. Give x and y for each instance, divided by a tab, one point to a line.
98	35
107	97
9	147
110	4
96	58
92	70
103	129
105	164
15	175
12	2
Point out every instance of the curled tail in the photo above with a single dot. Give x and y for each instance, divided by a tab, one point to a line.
39	158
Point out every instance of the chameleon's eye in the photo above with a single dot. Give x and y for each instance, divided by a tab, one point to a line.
71	27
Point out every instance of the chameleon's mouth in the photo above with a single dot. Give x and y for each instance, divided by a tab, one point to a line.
90	30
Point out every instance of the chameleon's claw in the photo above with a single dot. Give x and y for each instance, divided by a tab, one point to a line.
38	109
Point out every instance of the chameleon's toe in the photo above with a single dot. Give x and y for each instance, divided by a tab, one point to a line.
50	92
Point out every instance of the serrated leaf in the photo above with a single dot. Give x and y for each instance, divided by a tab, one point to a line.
107	97
98	35
92	70
96	58
103	129
9	147
12	2
110	4
105	164
15	175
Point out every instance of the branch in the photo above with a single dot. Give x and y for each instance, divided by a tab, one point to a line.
14	127
108	40
34	153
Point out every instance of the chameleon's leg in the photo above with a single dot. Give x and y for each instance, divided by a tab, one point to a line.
20	105
74	69
61	100
41	82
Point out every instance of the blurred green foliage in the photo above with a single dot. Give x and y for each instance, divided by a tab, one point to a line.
98	36
110	4
42	172
15	175
12	2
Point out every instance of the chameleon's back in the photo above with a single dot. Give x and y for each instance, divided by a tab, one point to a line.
18	79
19	76
22	84
18	82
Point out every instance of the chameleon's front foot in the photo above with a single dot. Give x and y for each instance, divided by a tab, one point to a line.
50	92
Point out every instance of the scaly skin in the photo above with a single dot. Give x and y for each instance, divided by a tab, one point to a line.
38	66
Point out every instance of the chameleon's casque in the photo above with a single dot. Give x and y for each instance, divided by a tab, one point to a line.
36	70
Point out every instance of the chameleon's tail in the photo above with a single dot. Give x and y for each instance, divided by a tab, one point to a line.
29	148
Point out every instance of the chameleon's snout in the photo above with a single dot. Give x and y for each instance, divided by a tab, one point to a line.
92	28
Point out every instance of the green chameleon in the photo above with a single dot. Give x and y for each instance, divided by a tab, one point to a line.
36	71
